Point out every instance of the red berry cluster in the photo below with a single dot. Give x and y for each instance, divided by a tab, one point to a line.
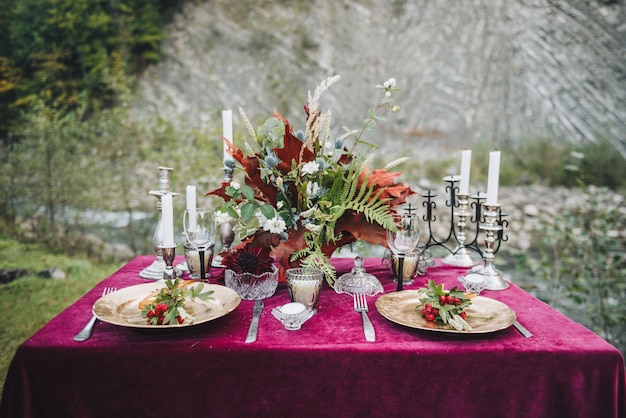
431	313
159	311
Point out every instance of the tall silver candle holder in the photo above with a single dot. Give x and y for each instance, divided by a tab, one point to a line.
460	256
487	270
168	254
490	220
227	234
156	269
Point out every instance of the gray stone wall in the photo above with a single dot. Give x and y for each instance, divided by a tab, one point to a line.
470	70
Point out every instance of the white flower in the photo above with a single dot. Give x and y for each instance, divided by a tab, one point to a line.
311	167
235	185
395	108
222	217
280	204
312	188
389	83
276	225
329	148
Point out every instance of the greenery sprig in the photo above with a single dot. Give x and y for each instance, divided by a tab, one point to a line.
445	307
168	305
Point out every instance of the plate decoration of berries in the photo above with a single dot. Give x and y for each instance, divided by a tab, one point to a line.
445	307
167	308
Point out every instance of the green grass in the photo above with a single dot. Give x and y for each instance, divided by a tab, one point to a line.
28	303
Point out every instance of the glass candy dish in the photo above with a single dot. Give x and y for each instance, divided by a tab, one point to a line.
358	281
251	286
292	315
474	283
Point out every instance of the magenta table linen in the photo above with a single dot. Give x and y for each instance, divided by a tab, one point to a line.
326	369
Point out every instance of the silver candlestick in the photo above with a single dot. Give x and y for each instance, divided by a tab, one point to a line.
168	252
227	234
487	271
460	256
155	270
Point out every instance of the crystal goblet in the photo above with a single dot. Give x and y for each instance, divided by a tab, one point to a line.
200	228
403	240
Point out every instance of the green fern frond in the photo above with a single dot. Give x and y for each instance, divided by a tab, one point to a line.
317	259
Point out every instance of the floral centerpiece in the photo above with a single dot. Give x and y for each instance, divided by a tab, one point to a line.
306	193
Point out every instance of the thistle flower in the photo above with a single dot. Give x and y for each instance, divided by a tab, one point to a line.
249	259
270	160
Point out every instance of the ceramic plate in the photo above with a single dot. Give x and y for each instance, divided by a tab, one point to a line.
122	307
399	307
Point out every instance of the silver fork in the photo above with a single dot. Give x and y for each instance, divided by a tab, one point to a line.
86	332
360	305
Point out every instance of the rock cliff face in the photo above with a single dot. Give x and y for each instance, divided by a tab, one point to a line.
472	70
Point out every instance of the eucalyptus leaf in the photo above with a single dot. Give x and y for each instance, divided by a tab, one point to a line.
268	211
247	210
248	192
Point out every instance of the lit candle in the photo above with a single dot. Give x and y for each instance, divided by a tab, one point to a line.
466	158
494	178
227	130
191	207
167	212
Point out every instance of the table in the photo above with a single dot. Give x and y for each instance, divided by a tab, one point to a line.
325	369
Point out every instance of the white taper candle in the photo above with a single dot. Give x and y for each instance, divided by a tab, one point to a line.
466	158
191	206
167	212
494	178
227	130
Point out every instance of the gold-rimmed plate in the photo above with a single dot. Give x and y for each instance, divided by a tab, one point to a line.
484	314
122	307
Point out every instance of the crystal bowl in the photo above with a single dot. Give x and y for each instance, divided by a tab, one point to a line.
251	286
292	315
474	283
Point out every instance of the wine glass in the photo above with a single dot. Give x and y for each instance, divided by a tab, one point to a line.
200	227
403	240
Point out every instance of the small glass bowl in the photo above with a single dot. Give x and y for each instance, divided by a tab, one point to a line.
292	315
251	286
474	283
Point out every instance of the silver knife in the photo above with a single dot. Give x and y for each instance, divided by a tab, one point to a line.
254	325
522	329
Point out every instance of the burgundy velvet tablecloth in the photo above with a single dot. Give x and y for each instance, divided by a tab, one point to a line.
325	369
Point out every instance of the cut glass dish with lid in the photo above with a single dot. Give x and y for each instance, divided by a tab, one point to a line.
358	281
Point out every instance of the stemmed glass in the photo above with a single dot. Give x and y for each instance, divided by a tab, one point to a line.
200	228
403	240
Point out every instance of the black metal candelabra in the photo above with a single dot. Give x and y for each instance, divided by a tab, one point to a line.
461	208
